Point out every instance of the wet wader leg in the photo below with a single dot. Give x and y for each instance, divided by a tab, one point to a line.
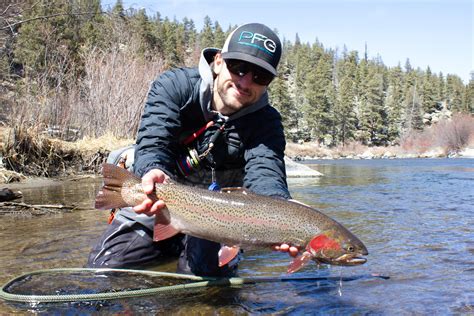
128	244
200	257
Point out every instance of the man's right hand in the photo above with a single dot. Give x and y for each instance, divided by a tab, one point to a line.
148	206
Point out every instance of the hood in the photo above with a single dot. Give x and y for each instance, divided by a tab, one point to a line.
206	87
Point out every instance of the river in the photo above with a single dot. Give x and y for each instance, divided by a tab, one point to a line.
416	217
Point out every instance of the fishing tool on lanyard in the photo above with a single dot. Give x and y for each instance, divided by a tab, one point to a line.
193	159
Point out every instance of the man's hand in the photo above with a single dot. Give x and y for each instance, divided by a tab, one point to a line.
148	206
292	251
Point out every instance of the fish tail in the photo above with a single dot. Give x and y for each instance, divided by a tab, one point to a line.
110	196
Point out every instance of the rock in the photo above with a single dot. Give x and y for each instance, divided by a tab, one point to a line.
8	195
388	155
367	155
297	170
467	153
433	153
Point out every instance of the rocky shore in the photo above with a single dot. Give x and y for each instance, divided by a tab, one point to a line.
299	152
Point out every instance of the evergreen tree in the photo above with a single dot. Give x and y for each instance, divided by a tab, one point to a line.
469	95
280	99
344	111
190	42
393	104
206	37
372	112
413	115
454	93
142	30
319	95
429	95
292	119
170	43
219	36
50	43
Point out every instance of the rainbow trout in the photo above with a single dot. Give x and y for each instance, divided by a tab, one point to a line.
236	218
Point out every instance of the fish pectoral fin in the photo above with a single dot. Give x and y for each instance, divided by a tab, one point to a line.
162	232
163	229
226	254
299	262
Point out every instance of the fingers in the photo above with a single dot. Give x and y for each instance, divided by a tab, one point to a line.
292	250
143	207
151	177
149	207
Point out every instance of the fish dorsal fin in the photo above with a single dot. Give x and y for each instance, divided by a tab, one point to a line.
163	229
299	262
226	254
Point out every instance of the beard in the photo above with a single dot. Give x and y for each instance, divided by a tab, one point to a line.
233	101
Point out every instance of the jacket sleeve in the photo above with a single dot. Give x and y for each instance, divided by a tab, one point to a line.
264	155
157	138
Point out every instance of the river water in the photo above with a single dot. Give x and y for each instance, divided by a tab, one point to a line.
416	217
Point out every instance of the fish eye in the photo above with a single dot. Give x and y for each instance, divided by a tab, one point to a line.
350	248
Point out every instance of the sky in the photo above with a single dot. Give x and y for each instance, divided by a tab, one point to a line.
434	33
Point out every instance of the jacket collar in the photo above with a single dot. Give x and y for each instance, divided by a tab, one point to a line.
206	87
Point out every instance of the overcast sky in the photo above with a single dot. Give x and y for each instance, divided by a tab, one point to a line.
435	33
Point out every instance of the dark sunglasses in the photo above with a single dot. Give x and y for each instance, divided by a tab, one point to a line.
241	68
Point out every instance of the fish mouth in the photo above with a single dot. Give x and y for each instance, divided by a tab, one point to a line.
345	260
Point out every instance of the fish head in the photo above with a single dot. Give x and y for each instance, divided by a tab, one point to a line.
337	249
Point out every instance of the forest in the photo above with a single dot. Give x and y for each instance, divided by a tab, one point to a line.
74	69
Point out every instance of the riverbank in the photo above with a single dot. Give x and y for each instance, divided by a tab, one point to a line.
24	156
308	151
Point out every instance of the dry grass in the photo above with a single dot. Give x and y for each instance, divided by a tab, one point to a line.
448	136
37	155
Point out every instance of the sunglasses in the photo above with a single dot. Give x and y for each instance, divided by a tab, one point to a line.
241	68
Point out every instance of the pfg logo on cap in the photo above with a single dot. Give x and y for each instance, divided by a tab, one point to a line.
258	41
254	43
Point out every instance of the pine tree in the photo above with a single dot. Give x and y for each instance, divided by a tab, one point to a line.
319	95
454	93
190	43
372	112
170	43
142	30
413	112
429	96
280	99
344	110
219	36
206	38
393	104
469	95
52	44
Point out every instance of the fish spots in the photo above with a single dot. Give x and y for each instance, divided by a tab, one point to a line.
222	201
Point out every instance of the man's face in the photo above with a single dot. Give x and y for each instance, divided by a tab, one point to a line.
234	91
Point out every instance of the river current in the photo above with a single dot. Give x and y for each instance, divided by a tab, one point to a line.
416	217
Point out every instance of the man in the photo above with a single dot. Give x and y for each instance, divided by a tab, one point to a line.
207	126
